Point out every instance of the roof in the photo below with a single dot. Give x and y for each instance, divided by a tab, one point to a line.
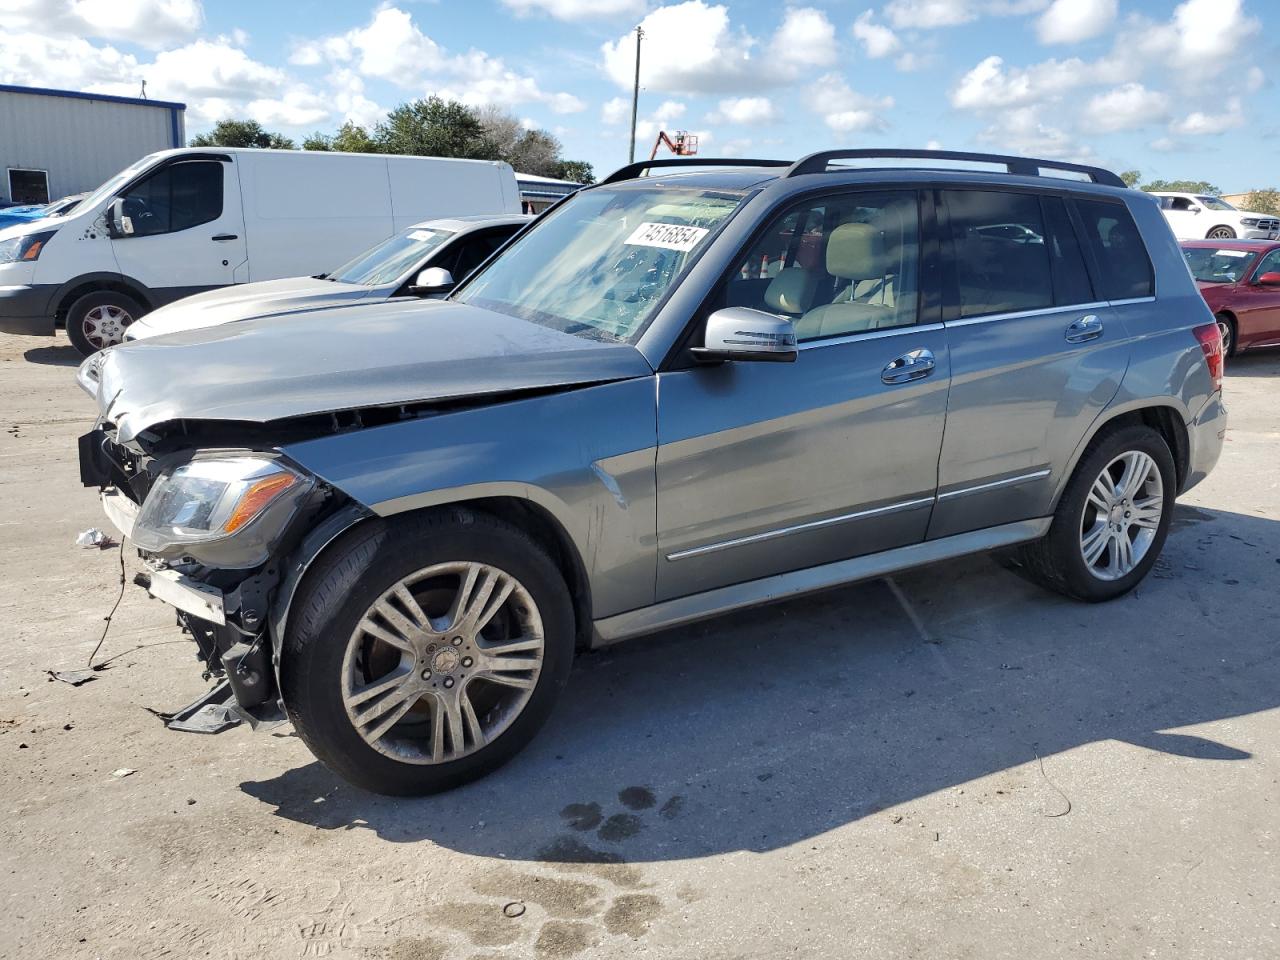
79	95
458	224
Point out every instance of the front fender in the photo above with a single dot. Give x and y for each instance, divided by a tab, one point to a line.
586	456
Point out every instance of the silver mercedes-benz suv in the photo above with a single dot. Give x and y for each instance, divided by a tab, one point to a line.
676	394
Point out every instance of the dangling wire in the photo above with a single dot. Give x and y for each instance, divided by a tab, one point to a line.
115	606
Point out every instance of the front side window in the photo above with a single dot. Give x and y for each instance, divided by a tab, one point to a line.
599	265
1220	265
389	260
1118	248
1270	264
836	265
176	197
1002	262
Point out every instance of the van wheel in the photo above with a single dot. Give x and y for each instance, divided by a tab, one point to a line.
1112	520
426	652
1221	233
99	319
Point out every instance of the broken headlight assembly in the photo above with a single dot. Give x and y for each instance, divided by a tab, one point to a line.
224	512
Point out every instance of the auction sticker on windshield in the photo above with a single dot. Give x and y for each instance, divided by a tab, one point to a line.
670	236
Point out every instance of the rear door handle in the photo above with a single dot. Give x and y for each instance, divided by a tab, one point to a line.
1086	328
226	236
910	366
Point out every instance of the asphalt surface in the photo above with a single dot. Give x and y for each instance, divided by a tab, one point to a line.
953	764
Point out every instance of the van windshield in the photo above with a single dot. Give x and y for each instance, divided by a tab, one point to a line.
392	258
112	185
599	265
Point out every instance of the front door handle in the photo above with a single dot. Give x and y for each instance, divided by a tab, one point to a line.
1086	328
226	236
910	366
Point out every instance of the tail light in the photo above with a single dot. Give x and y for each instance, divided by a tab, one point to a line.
1210	338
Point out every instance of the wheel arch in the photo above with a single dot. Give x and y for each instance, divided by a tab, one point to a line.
1235	232
74	289
1165	417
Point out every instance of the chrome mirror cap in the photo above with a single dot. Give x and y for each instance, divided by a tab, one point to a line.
432	280
740	333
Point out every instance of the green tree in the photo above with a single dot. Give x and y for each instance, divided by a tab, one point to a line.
1131	178
579	171
242	133
317	141
351	138
1264	200
1182	186
434	128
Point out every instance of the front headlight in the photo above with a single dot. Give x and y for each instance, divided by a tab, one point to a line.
1249	221
24	248
206	501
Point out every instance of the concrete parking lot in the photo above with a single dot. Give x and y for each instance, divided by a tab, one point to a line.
952	764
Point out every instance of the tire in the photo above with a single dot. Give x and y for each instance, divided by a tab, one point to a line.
332	659
98	319
1058	562
1220	233
1227	326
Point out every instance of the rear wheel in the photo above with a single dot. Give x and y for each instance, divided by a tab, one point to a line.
1221	233
1112	520
427	654
1227	327
99	319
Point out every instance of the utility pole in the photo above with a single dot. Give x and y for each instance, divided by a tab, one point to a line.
635	96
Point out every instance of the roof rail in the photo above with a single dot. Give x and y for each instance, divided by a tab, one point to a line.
633	170
1023	166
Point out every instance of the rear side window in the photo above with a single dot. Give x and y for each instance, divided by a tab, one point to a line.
176	197
1001	257
1070	277
1123	266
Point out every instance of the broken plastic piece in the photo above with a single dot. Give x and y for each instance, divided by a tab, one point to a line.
93	537
74	677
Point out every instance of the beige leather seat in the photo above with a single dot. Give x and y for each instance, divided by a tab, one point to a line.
855	252
791	291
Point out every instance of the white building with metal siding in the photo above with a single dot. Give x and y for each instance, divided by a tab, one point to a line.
61	142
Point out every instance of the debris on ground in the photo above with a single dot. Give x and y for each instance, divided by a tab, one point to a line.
122	772
93	537
73	677
513	909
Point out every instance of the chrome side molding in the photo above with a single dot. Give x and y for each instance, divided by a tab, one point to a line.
712	603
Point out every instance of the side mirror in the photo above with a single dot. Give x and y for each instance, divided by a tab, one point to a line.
740	333
432	280
118	225
1269	279
1193	209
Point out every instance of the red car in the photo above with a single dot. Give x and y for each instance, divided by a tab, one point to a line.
1240	281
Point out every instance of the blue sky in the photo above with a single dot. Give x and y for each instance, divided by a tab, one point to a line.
1176	90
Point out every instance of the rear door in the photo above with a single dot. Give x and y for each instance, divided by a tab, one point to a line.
765	468
1036	354
188	232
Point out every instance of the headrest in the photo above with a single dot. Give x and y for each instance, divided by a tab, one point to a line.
791	291
856	251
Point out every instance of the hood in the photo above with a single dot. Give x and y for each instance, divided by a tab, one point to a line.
246	300
19	227
383	354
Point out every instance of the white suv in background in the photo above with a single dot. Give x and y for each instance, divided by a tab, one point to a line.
1194	216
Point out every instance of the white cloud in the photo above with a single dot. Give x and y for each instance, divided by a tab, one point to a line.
934	145
391	47
1126	107
1255	79
65	62
1022	131
877	39
148	23
1071	21
575	9
745	111
846	111
912	60
1197	124
926	14
693	47
615	111
989	84
1204	37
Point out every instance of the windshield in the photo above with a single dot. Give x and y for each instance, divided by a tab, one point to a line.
389	260
599	264
128	173
1213	203
1211	265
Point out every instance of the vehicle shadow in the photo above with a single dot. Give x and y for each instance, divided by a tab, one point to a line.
1254	363
769	727
59	355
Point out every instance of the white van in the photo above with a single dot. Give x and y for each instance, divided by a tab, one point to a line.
182	221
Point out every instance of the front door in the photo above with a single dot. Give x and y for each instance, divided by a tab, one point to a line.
770	467
1257	306
188	230
1036	352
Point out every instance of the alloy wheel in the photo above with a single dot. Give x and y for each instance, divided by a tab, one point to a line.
443	662
1224	328
104	325
1121	515
1222	233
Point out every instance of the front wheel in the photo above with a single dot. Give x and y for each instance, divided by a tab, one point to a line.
1221	233
1112	520
426	654
98	320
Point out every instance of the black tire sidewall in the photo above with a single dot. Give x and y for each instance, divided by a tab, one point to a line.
1065	533
98	298
323	620
1231	325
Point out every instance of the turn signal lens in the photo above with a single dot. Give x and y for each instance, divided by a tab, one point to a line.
254	500
1210	338
32	250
